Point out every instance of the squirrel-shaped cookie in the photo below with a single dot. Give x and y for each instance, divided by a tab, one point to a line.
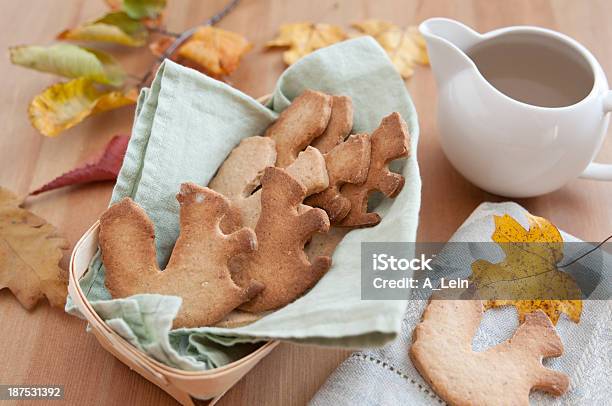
239	176
389	141
280	262
198	268
348	162
503	374
339	126
305	119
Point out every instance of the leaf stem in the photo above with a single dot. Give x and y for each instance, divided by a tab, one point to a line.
184	36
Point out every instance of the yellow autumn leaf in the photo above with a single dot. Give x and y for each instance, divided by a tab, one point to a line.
304	38
405	46
115	27
217	51
70	61
529	270
30	250
138	8
63	105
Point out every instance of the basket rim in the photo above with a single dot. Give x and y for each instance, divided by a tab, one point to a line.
96	322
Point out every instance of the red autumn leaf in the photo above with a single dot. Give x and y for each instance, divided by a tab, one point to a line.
104	166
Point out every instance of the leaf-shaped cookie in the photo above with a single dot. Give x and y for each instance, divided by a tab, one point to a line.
198	268
30	250
529	272
115	27
70	61
389	141
304	120
280	262
64	105
504	374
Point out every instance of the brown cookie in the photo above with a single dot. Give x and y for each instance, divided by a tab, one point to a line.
324	244
348	162
339	126
309	169
238	318
280	262
238	178
304	120
389	141
504	374
198	268
239	174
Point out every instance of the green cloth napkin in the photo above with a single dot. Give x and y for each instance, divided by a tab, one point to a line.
186	124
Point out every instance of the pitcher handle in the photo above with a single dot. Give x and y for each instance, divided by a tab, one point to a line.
595	170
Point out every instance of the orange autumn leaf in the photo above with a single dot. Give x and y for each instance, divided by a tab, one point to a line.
160	45
30	250
304	38
529	270
405	46
217	51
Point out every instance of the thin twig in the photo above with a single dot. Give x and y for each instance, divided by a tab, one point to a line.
184	36
164	32
585	254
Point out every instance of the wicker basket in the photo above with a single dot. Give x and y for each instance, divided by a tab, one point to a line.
181	385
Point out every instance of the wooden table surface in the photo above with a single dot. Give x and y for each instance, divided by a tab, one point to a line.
46	346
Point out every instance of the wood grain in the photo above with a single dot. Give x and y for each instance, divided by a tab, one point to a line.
47	346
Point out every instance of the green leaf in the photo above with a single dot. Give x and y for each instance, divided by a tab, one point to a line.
64	105
116	27
143	8
70	61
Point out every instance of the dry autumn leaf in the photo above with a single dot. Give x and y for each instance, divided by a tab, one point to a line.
115	27
70	61
30	250
304	38
105	166
63	105
405	46
138	8
529	270
160	45
217	51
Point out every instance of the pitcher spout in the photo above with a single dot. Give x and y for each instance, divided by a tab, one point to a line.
447	42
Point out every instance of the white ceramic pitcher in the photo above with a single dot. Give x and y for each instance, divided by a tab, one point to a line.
503	145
